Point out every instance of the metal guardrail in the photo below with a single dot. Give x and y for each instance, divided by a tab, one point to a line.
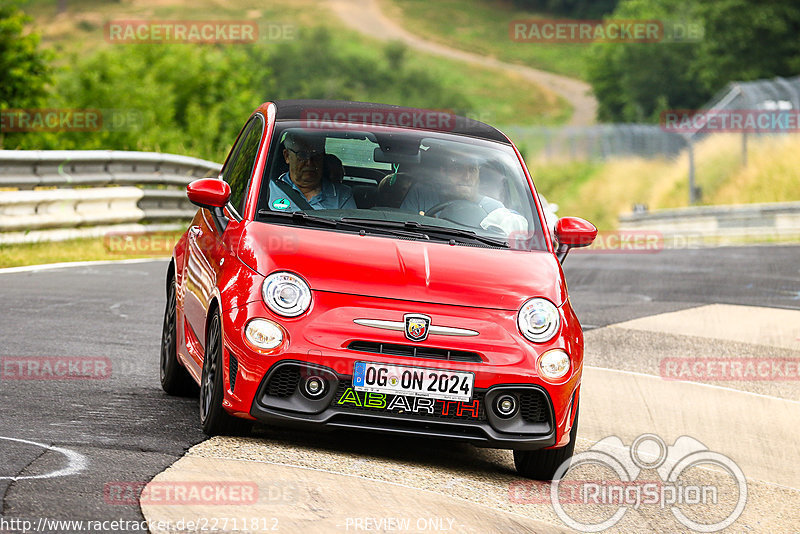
719	225
45	193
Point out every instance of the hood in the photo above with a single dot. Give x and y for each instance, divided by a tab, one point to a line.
404	269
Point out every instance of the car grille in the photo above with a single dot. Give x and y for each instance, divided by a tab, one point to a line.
234	370
284	381
414	351
451	415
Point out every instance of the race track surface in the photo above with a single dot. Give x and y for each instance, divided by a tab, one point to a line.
65	445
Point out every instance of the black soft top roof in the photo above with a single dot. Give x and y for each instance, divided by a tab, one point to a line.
387	115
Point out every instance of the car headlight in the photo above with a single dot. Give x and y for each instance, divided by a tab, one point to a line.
263	335
554	364
538	320
286	294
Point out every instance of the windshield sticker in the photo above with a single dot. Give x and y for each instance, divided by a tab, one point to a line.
281	204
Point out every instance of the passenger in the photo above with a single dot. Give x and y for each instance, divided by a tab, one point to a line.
304	185
332	168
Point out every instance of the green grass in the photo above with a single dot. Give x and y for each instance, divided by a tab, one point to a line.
482	27
85	250
600	191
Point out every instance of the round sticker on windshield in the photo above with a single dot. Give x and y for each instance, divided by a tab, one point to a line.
281	204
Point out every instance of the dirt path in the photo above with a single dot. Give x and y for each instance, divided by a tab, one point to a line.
366	17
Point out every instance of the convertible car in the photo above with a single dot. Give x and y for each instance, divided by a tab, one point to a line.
377	268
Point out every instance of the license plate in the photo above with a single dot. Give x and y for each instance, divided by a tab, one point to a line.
413	381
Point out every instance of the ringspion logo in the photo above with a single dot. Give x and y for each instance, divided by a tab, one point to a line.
587	503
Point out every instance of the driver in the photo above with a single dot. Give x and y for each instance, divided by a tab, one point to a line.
458	177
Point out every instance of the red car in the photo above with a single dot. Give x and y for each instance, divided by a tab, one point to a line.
381	268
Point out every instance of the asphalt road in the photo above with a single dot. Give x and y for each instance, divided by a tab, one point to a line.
122	428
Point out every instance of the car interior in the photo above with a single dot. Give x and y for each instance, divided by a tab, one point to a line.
382	179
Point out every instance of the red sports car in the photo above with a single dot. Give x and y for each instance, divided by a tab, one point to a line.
379	268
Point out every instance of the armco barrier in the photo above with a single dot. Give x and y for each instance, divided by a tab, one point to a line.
55	195
719	225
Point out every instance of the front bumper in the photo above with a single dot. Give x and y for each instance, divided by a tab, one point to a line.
280	400
327	338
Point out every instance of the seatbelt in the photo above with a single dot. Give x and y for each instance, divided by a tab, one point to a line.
298	199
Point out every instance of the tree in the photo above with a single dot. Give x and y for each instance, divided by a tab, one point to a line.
636	81
747	40
569	8
743	40
24	70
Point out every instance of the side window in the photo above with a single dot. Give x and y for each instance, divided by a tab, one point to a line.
240	167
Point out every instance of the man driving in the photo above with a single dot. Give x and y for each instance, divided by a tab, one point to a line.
457	178
304	185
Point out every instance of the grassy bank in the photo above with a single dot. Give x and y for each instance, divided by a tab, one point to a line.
80	31
482	27
600	191
94	249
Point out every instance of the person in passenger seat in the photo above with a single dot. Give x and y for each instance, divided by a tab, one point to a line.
332	168
305	185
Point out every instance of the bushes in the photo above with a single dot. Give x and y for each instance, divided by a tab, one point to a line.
191	99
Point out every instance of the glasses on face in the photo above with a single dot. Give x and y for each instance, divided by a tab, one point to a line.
305	154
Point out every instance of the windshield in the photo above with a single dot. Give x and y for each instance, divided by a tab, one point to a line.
399	182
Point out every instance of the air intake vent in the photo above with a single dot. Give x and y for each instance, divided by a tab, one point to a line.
533	407
415	351
284	382
234	370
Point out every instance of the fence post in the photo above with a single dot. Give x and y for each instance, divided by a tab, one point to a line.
744	149
692	189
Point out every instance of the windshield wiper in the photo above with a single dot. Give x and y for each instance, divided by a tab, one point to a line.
432	229
301	217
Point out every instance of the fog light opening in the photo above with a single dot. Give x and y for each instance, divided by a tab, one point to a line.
506	406
314	387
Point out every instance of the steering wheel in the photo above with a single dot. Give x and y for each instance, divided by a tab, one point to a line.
463	212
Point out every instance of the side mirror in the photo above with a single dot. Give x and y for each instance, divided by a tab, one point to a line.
209	193
573	232
212	194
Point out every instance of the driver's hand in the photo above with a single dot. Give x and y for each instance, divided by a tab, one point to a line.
505	221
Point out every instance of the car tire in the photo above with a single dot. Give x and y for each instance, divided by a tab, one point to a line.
175	379
542	464
214	419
